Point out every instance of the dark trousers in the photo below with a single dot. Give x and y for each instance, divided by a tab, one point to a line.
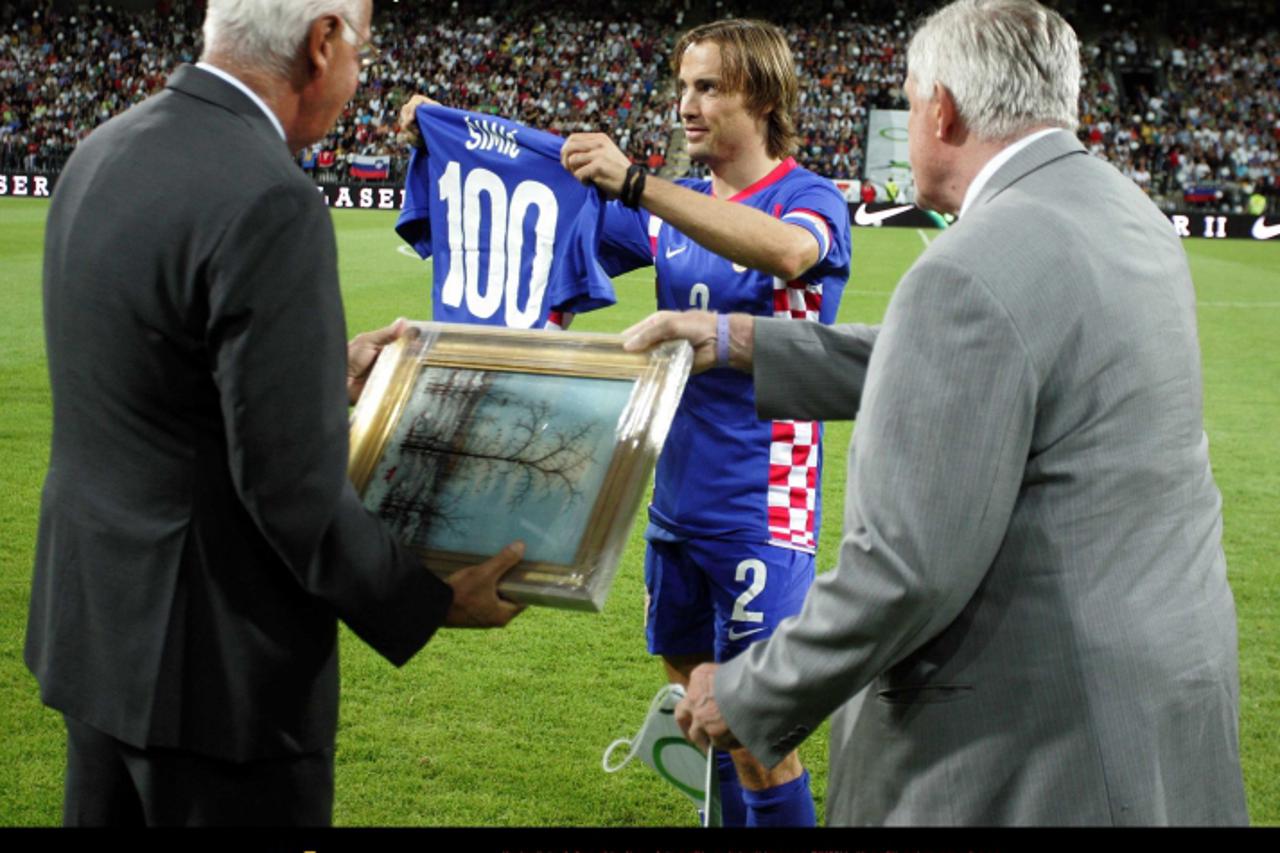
110	783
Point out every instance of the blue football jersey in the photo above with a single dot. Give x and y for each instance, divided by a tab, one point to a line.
723	472
515	234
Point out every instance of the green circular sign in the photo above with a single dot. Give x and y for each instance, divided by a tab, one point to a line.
658	746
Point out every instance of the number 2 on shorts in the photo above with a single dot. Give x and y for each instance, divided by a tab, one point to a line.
759	574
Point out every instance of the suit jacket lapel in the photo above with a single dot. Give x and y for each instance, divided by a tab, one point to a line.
207	87
1035	156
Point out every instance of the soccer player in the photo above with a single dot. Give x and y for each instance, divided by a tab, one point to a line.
735	513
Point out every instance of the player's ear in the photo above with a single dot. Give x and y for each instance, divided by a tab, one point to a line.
764	113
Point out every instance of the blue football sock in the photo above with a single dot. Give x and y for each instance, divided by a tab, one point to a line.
733	812
788	804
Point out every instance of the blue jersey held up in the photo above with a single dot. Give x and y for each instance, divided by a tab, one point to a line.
515	234
723	473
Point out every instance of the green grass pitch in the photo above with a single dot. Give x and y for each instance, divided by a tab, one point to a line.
507	728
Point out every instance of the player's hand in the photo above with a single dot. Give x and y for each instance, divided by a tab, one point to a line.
476	602
362	352
593	158
699	716
700	329
408	133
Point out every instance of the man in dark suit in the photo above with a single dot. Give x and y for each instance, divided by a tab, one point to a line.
198	536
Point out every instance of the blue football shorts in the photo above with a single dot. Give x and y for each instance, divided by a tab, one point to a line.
716	596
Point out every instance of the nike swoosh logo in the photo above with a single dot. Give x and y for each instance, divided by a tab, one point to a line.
1263	231
739	268
671	253
738	635
864	217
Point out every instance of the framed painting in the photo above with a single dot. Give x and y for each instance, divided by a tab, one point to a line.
470	437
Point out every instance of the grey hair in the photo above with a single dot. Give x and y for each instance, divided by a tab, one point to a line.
268	34
1010	65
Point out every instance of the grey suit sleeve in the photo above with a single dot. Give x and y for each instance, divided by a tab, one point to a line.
934	472
278	338
809	371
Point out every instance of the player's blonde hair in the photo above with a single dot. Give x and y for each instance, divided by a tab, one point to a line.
756	61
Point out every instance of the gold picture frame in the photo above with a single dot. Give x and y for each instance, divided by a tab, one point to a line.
467	437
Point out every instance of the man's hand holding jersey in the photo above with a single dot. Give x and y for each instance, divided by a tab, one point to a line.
408	133
594	158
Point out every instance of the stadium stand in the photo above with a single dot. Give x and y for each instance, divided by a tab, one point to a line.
63	74
1187	106
1200	121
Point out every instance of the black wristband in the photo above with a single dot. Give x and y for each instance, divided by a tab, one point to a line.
637	188
625	191
632	186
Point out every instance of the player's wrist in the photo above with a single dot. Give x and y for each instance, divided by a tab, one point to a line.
633	186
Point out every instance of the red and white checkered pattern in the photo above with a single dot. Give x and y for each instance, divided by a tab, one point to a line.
799	300
793	484
655	226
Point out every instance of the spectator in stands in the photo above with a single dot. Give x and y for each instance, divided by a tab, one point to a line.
891	189
1205	131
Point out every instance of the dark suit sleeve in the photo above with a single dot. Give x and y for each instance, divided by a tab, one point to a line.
277	337
810	371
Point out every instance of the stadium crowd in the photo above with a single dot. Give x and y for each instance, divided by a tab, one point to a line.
1210	135
567	73
847	67
61	75
1193	116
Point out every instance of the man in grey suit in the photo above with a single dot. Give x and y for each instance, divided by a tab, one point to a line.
198	537
1031	584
